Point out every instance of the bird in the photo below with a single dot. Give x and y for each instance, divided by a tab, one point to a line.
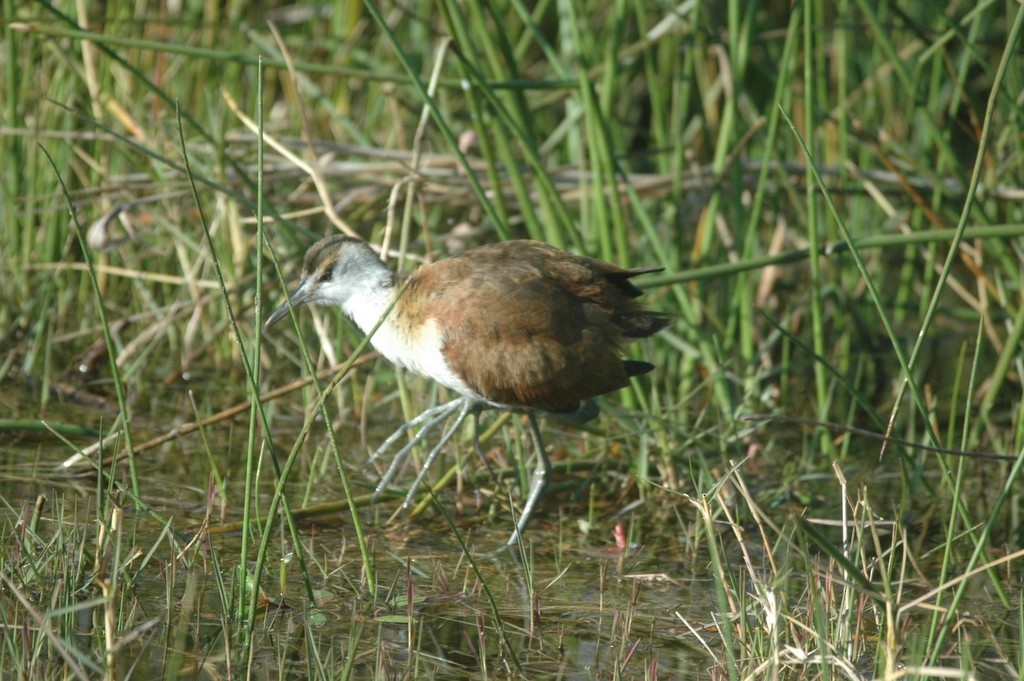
515	325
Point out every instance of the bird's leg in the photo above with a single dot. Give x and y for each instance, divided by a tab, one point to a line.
409	425
468	406
538	482
477	447
432	416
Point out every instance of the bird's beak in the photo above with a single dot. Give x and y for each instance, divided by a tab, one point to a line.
299	297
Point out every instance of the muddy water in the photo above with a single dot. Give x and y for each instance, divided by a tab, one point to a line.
577	607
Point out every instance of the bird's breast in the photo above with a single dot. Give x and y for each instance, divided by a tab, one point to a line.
420	350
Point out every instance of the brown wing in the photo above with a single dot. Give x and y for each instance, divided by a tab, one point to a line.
531	326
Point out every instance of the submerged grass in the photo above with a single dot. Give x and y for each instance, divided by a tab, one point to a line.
820	480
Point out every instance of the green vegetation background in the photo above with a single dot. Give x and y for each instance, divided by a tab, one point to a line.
833	188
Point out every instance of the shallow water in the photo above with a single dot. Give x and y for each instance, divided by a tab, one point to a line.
578	607
571	604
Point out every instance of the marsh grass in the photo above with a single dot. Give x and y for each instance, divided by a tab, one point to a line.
834	191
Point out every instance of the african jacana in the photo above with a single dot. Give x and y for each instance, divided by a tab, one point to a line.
518	325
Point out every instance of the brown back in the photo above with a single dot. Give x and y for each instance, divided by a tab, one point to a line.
531	326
